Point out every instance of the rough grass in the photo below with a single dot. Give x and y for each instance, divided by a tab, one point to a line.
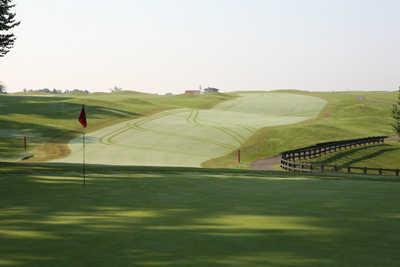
136	216
188	137
347	115
52	119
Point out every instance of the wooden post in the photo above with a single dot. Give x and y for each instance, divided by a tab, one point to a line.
25	144
365	170
84	158
348	169
238	156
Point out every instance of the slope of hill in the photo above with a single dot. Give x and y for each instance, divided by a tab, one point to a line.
347	115
188	137
50	121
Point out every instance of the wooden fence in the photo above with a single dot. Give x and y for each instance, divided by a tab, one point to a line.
291	160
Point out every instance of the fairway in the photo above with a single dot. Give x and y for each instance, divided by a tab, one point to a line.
188	137
146	216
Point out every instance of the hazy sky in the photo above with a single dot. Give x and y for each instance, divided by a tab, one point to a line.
172	45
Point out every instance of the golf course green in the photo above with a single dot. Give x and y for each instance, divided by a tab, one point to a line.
180	217
183	216
189	137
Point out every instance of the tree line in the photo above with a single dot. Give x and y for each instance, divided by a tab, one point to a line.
7	23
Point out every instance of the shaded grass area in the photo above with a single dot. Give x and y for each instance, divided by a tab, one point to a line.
377	156
52	119
138	216
347	115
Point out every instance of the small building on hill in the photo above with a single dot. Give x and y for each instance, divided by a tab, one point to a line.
210	90
192	92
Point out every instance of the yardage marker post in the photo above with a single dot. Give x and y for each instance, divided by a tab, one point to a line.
25	143
84	158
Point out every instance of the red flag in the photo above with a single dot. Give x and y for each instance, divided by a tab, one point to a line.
82	117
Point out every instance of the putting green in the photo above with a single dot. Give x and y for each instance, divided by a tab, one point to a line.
188	137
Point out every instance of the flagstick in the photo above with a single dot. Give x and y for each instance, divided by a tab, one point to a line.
83	122
84	159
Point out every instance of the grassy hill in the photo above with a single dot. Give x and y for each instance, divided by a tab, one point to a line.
137	216
347	115
188	137
154	216
50	121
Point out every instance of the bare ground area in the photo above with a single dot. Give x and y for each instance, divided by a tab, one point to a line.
50	151
269	164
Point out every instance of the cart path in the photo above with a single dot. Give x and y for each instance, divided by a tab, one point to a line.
268	164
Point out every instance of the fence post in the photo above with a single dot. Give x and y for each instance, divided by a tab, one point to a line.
365	170
348	169
397	172
380	171
322	167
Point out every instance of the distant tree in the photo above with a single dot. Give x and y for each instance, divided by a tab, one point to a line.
56	92
396	115
2	89
7	23
116	89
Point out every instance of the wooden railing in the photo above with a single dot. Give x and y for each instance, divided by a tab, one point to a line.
291	160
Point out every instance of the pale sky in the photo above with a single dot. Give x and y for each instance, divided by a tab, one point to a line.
173	45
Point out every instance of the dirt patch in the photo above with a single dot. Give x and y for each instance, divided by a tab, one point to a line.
50	151
269	164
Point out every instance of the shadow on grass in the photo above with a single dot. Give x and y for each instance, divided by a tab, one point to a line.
13	145
144	216
351	157
49	122
54	107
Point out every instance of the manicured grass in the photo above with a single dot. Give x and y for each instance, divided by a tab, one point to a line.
188	137
137	216
50	121
347	115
